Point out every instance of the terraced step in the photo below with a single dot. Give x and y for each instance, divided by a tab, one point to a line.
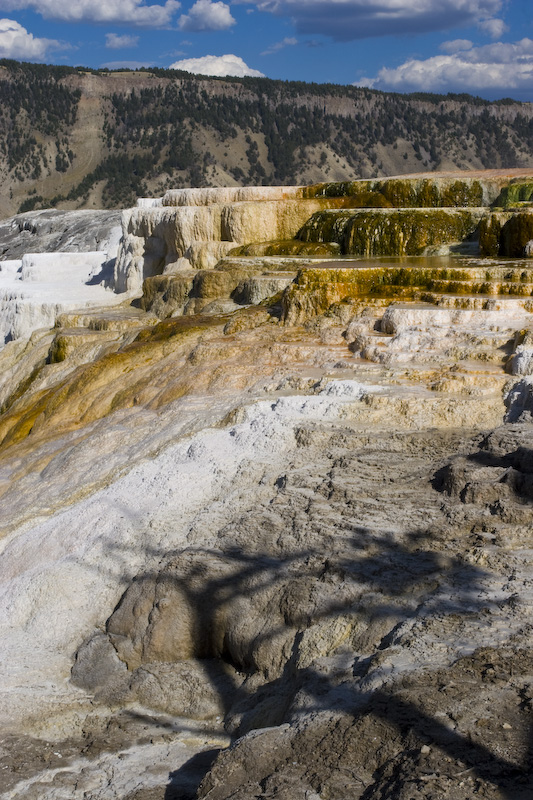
487	287
316	289
121	318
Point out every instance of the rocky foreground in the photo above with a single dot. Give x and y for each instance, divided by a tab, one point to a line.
267	514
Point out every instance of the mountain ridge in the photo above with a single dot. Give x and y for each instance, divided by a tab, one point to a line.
73	137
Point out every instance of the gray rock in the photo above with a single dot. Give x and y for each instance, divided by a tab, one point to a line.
59	231
194	689
98	669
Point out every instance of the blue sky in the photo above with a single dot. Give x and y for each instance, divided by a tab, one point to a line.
483	47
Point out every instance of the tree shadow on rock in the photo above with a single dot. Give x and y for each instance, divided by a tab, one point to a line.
277	625
184	782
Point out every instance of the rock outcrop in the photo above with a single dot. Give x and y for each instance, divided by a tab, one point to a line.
53	231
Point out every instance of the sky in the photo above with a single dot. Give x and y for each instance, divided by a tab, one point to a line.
483	47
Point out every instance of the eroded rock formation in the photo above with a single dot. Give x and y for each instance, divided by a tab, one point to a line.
267	532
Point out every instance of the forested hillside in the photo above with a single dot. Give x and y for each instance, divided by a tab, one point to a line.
73	137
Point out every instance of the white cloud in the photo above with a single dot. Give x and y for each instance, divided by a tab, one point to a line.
502	66
131	12
456	46
493	27
217	66
205	15
288	41
116	42
345	20
17	42
503	53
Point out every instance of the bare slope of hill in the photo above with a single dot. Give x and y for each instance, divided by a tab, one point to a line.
77	138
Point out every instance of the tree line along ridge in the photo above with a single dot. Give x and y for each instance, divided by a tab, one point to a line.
161	128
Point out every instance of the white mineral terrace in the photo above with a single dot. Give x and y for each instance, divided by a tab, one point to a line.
40	286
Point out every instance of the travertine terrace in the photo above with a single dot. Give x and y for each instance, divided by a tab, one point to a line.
267	512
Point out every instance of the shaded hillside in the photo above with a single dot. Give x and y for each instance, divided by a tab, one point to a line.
79	138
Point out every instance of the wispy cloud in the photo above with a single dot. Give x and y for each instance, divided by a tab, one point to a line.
275	48
456	46
127	12
116	42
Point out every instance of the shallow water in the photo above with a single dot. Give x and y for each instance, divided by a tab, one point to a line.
450	261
